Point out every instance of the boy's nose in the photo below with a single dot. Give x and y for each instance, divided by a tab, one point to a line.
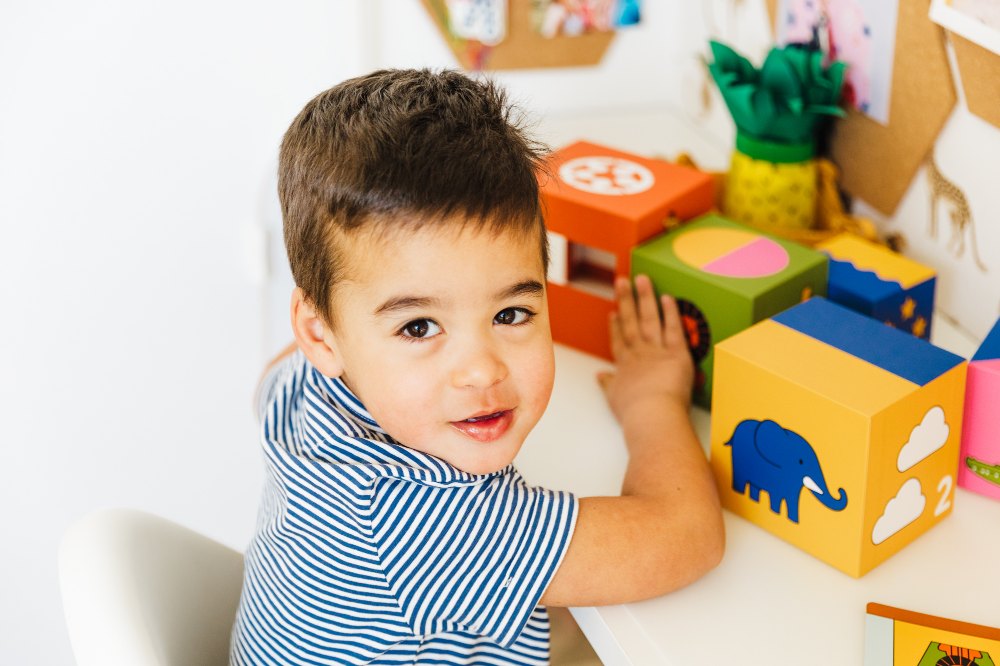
479	368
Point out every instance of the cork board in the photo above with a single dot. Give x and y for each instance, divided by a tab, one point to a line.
523	47
878	162
979	70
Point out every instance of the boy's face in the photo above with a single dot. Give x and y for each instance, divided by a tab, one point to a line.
443	334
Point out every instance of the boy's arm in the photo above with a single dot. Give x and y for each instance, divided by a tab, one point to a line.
666	529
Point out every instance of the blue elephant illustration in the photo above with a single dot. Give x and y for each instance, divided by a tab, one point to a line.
769	457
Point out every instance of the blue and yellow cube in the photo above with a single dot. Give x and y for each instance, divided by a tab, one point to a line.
875	281
836	433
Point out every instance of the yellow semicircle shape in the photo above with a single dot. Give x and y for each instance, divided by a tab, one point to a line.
703	246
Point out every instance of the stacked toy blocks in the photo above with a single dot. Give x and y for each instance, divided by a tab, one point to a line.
599	204
979	464
875	281
836	433
727	276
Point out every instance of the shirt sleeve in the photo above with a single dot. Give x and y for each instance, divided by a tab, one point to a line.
473	558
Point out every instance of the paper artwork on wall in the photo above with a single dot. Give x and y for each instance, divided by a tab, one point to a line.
975	20
481	20
570	18
986	11
498	34
861	33
974	31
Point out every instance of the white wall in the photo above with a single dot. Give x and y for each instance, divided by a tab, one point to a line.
136	140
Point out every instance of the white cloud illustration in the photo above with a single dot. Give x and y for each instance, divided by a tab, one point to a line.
925	439
901	510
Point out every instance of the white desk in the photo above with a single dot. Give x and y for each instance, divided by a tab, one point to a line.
768	603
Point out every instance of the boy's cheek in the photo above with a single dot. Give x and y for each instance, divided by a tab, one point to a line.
540	374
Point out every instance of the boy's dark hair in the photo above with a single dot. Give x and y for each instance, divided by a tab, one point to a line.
399	148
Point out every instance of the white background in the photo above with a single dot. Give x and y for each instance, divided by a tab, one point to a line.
137	150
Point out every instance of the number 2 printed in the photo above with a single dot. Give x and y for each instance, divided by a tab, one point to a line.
944	502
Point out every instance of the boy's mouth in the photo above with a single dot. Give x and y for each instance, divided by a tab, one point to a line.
486	427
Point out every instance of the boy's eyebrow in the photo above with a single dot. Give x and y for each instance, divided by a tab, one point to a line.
398	303
525	288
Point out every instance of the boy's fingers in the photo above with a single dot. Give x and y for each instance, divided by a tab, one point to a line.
673	330
649	315
617	344
627	318
604	379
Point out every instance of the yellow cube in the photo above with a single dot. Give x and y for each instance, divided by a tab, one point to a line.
865	418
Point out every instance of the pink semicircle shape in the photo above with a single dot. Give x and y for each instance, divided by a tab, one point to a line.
759	258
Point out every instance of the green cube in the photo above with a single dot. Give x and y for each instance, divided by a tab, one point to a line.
727	277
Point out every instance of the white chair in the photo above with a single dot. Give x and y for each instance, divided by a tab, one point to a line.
139	590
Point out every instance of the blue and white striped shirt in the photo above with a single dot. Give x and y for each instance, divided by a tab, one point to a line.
367	552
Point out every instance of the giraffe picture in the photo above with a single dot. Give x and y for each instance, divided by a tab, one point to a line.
963	230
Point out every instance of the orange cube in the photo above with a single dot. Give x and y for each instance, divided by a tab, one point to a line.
599	203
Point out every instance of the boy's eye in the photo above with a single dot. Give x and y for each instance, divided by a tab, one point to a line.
420	329
513	316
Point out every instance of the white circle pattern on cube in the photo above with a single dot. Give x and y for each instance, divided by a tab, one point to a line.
611	176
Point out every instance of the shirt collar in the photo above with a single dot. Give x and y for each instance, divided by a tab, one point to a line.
341	396
343	399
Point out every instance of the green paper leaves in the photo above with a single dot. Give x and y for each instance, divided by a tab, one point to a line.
786	99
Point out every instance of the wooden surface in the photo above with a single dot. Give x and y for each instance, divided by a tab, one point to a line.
980	72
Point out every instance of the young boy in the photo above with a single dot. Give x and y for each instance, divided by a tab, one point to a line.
393	526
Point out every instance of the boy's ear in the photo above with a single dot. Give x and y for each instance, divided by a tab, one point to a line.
313	337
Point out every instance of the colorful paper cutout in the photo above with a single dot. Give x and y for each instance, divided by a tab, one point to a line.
898	637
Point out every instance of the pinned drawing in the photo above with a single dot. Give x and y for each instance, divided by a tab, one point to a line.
860	33
578	17
482	20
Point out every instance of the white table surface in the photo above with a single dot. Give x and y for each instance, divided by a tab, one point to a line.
767	603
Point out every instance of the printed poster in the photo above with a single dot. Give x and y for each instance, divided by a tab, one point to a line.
568	18
860	33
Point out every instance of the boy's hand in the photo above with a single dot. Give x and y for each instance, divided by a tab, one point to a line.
654	366
666	529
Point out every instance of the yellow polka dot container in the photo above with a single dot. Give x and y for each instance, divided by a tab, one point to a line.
771	185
